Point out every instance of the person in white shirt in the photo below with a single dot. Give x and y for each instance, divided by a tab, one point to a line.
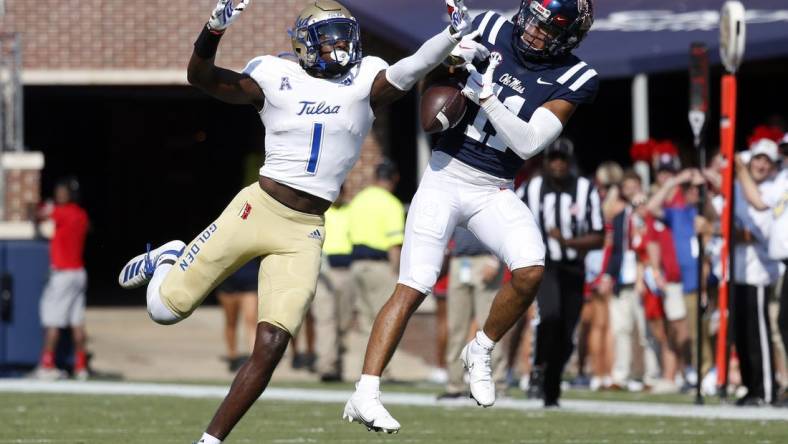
775	199
755	272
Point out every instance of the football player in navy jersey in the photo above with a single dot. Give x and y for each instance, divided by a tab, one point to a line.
529	88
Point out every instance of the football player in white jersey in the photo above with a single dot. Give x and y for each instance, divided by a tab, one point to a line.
316	112
514	115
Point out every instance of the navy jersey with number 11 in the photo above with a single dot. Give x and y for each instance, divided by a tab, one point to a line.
522	88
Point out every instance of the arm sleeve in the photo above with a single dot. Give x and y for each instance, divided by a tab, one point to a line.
405	73
526	139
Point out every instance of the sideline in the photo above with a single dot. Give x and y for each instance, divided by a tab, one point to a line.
394	398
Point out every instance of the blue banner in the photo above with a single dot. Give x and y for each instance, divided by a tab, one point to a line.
628	36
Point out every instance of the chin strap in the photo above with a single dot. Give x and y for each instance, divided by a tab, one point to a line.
325	71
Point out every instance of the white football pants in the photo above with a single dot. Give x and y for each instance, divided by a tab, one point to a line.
452	193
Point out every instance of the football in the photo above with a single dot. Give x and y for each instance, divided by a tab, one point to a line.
442	107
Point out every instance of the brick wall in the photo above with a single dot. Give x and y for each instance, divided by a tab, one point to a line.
20	189
21	194
138	34
143	35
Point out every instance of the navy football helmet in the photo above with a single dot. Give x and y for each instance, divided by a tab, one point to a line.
547	29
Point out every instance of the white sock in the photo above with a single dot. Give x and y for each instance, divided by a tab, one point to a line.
156	308
368	383
483	342
208	439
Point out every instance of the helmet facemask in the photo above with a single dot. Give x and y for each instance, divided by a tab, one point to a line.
538	37
327	48
542	34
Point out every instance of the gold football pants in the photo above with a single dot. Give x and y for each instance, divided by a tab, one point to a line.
253	225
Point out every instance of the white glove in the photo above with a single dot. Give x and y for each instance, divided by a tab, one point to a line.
225	14
481	86
468	50
459	18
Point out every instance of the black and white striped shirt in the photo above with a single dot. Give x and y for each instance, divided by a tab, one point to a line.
576	210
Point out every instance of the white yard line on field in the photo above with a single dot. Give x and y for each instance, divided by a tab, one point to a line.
393	398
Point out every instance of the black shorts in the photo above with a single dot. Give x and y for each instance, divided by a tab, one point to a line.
243	281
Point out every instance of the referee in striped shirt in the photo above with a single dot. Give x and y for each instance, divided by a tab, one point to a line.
568	211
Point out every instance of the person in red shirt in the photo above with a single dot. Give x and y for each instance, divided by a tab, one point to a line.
674	210
63	300
659	283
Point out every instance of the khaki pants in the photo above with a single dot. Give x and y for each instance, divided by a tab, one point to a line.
374	282
628	323
469	298
332	311
691	300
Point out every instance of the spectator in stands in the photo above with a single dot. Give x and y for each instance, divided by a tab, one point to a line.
607	181
778	244
774	130
599	287
754	271
63	301
627	318
568	211
599	290
377	226
675	204
238	298
332	308
474	278
659	285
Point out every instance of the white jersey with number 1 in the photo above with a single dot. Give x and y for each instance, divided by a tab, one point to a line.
314	127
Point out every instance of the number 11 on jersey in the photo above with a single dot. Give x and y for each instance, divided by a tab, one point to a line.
476	130
317	144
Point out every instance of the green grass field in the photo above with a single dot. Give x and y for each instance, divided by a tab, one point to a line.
45	418
429	388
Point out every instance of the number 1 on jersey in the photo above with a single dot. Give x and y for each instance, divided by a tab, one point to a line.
317	144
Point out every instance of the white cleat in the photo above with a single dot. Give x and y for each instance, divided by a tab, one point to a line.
138	271
366	409
479	375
